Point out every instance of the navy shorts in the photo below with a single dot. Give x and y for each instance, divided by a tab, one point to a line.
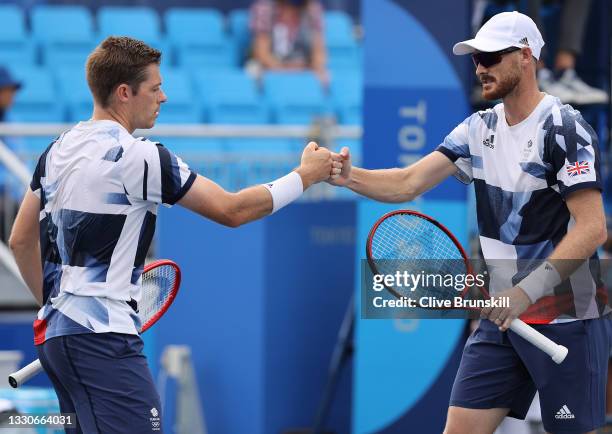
502	370
103	378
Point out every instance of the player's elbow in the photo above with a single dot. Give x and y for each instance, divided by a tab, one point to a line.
232	216
18	243
13	243
602	234
598	233
229	218
408	191
233	221
408	194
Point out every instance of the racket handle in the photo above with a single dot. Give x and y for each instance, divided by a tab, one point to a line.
16	379
555	351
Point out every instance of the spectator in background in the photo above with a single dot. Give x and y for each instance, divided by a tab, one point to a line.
8	89
8	207
288	36
563	82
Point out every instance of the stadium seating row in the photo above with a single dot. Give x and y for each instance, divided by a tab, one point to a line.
64	35
195	96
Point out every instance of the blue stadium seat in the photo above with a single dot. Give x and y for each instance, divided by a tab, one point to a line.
191	149
338	27
346	95
73	90
137	22
295	98
65	34
345	57
15	47
203	155
199	39
230	97
182	105
13	23
343	50
239	28
257	160
37	101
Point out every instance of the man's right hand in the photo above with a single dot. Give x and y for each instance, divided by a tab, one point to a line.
343	179
316	165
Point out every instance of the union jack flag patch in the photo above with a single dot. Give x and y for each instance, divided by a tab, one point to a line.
578	168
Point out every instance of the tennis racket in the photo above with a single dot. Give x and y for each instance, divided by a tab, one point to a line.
160	284
405	240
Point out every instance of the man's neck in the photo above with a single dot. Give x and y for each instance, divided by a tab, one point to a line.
101	114
521	102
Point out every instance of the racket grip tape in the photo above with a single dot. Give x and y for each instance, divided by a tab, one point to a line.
555	351
16	379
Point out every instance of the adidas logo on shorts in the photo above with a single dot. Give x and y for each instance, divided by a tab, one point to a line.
564	413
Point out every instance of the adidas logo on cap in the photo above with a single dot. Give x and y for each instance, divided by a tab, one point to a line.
524	41
564	413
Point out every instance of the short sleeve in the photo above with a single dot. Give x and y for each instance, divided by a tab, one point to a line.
571	149
456	148
35	183
40	172
152	173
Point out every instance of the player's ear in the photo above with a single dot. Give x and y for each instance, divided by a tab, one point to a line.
527	55
123	92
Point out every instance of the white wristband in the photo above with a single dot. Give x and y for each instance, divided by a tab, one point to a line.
285	190
540	281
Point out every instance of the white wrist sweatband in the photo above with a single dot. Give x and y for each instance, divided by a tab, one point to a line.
540	281
285	190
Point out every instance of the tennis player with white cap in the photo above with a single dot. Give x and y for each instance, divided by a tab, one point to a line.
534	163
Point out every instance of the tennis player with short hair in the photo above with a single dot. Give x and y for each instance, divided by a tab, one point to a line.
84	228
534	163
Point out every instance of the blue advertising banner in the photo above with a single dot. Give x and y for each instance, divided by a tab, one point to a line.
260	307
414	97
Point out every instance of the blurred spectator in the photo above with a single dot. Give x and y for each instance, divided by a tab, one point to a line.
8	207
288	35
563	82
8	89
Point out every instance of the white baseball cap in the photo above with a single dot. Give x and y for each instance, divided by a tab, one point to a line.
504	30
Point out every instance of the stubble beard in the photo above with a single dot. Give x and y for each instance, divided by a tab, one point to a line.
503	87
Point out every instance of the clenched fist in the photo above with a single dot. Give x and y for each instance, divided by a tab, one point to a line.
341	177
317	165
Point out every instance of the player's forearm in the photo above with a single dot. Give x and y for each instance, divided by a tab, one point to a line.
586	234
248	205
256	202
27	256
384	185
580	242
577	246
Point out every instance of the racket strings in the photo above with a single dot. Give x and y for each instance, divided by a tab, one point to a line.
409	243
157	287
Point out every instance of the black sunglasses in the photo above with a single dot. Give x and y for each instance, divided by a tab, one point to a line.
489	59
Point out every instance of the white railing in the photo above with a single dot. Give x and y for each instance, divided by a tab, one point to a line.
14	165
